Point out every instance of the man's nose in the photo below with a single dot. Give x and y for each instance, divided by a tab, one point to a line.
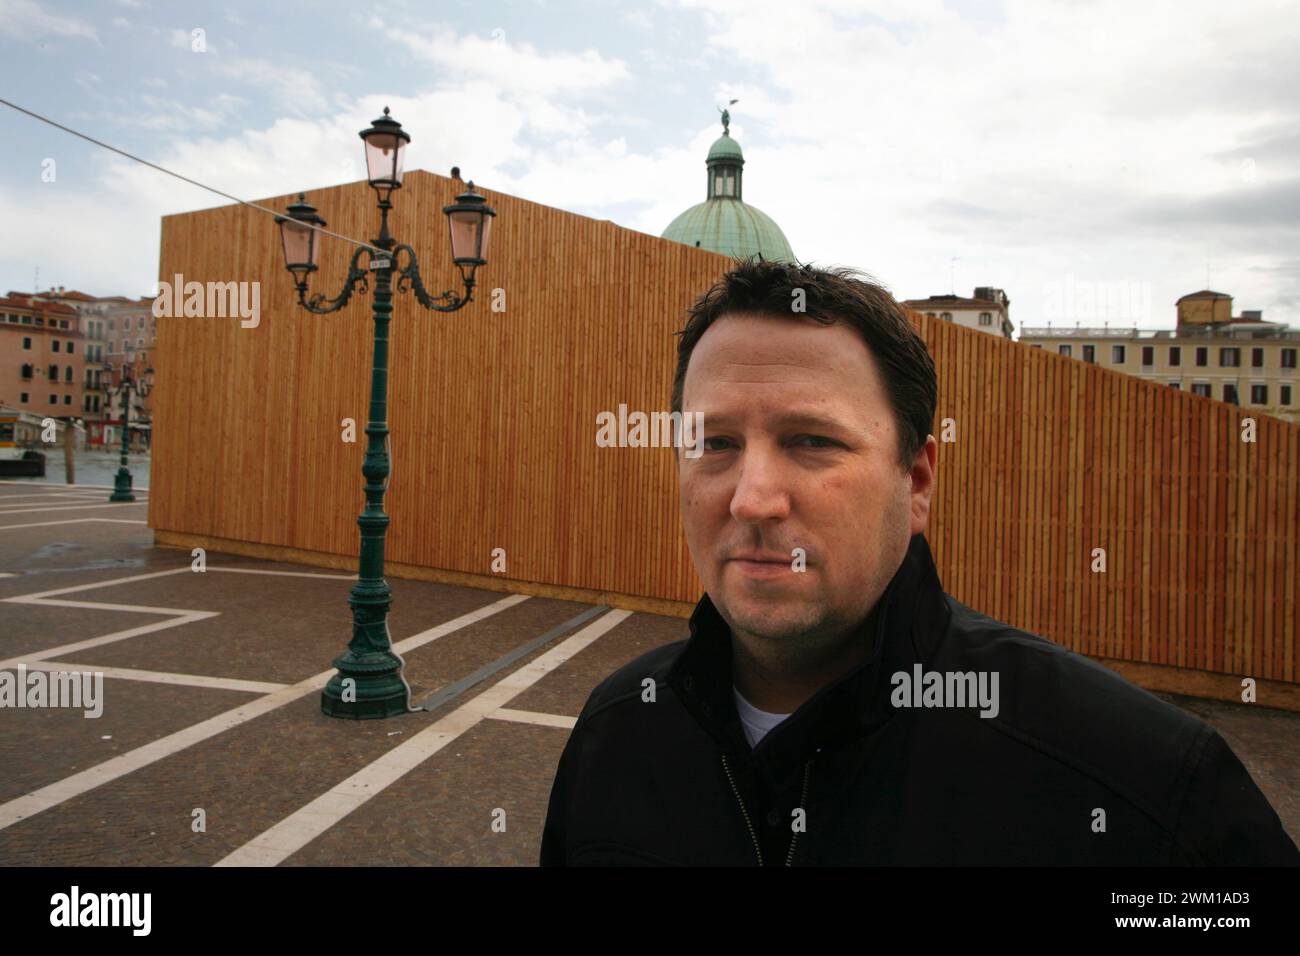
761	493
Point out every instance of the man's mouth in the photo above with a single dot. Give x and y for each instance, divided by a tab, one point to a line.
761	565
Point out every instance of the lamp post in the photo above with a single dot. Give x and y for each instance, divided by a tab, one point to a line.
369	683
128	384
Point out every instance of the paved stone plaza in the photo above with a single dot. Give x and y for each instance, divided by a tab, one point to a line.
211	703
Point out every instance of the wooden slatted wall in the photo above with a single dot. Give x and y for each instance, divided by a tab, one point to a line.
493	418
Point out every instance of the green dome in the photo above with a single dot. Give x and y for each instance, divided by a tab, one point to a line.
732	228
723	222
724	147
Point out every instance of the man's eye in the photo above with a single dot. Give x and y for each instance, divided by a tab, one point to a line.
707	446
825	442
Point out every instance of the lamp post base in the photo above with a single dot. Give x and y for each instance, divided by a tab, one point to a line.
366	688
122	487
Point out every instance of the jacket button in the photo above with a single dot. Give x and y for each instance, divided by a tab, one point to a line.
773	818
689	684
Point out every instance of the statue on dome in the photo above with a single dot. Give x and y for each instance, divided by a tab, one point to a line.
726	117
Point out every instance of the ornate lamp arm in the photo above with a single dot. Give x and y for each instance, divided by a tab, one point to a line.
408	278
356	281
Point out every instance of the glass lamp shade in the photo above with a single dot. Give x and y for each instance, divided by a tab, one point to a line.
470	220
301	242
385	153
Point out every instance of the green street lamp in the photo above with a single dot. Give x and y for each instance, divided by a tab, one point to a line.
369	683
127	384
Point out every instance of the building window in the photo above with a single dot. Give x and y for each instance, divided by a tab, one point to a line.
56	344
1175	355
54	399
930	315
986	318
1117	355
27	371
1229	357
1202	355
946	316
67	373
1259	394
139	323
53	373
1256	358
1285	397
85	403
1063	350
1201	388
112	325
139	343
1036	346
1089	353
67	399
27	320
22	398
1176	386
1288	358
27	341
111	350
1230	393
72	347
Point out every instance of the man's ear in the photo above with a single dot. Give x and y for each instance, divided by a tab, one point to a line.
922	475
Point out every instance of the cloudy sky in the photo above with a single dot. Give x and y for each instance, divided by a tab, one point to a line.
1134	151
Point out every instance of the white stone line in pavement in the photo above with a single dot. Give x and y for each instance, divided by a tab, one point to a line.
175	616
178	616
161	677
286	574
60	509
6	499
32	803
45	524
63	650
51	485
301	827
533	717
37	597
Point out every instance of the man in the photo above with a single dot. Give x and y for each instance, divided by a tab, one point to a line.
833	705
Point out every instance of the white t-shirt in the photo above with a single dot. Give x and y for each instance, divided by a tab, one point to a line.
756	722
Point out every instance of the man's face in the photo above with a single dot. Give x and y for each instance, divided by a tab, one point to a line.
800	451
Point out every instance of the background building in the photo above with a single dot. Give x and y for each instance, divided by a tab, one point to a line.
988	310
116	330
1242	360
42	357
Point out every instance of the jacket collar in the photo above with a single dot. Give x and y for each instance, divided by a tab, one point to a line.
905	627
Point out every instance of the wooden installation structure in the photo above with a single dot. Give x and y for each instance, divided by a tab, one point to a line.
493	412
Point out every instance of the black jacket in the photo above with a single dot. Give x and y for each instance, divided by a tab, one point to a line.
674	781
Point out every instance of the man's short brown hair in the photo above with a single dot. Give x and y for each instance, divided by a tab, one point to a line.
769	288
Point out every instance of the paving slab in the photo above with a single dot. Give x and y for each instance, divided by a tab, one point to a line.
566	689
443	812
44	745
